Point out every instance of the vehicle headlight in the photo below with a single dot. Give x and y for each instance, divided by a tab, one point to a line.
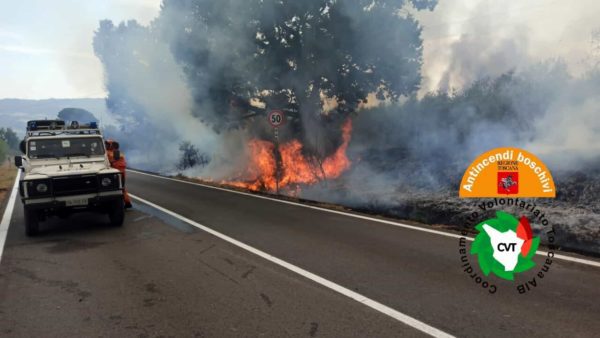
36	188
42	188
106	182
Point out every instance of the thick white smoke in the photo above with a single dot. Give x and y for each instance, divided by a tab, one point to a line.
487	82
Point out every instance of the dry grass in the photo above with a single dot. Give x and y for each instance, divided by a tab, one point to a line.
7	179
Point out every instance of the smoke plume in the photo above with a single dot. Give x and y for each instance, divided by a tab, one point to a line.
204	74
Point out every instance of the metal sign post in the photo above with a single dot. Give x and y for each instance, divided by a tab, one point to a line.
277	170
276	118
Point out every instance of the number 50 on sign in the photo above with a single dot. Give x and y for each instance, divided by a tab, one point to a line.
276	118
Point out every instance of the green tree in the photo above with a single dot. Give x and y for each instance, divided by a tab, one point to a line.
292	55
10	137
76	114
3	151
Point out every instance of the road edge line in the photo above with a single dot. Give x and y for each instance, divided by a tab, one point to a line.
397	315
6	218
392	223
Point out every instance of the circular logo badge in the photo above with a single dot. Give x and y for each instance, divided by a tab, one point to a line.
505	245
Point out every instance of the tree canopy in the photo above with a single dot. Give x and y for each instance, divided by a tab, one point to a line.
241	58
77	114
3	151
10	137
293	54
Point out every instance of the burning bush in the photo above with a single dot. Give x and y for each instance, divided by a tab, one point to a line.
273	166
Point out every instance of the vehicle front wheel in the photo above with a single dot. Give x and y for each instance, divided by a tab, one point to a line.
116	213
32	222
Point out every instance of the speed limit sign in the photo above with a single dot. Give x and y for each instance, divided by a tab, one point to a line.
276	118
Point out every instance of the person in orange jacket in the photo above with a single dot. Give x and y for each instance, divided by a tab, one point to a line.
119	164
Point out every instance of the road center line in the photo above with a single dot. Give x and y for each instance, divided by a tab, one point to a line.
399	316
10	206
347	214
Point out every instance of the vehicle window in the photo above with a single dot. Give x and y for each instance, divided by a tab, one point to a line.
65	147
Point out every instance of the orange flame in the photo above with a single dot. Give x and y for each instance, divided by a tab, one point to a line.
296	168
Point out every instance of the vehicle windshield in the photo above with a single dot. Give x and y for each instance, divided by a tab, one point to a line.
65	147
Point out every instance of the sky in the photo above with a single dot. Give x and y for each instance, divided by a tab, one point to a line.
46	46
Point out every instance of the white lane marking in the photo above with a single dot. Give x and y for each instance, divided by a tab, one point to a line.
410	321
398	224
10	206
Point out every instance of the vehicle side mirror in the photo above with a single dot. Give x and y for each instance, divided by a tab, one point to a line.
116	155
18	161
22	147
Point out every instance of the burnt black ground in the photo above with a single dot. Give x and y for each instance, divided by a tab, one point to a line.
149	278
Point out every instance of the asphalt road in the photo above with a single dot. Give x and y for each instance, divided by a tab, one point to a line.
159	276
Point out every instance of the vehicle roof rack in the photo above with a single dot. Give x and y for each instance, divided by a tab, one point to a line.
59	127
35	125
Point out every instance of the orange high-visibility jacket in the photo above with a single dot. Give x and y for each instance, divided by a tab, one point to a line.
120	164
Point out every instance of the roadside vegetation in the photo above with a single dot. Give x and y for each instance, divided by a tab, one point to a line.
7	178
9	143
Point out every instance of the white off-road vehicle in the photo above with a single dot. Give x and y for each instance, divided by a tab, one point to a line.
66	170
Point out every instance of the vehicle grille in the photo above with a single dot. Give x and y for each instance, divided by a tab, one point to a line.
75	185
